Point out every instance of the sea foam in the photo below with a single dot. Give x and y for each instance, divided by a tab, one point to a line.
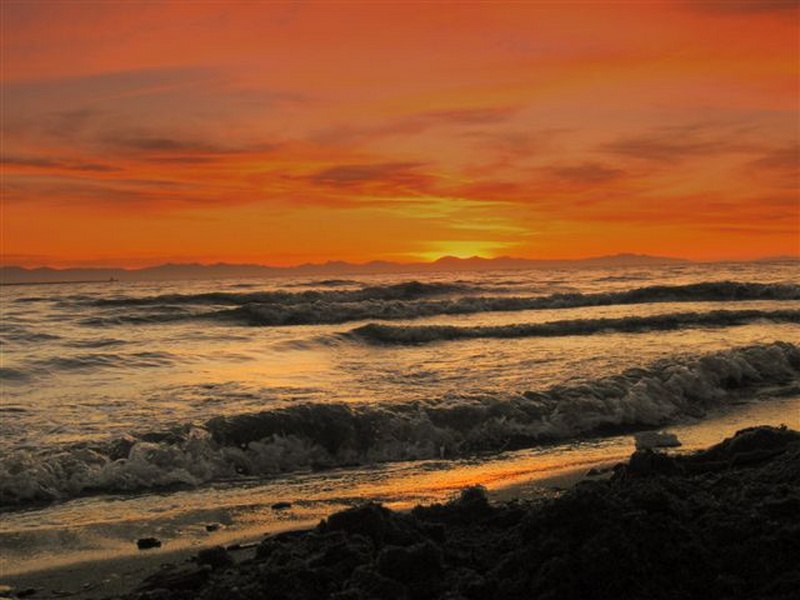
308	436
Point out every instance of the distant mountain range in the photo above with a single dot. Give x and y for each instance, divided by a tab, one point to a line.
171	272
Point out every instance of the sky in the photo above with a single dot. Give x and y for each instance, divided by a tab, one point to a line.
141	132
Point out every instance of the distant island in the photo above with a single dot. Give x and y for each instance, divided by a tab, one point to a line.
184	271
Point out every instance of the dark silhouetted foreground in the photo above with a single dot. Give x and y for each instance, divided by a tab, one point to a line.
721	523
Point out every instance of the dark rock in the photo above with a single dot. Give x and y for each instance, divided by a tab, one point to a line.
216	557
7	591
473	500
471	585
472	505
147	543
722	523
281	505
420	563
341	555
782	508
371	520
367	583
290	535
212	527
599	471
121	448
748	445
272	542
644	463
741	459
435	531
375	522
156	594
184	578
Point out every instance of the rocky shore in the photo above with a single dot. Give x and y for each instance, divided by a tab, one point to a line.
720	523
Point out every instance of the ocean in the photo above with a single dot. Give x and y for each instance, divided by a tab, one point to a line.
187	410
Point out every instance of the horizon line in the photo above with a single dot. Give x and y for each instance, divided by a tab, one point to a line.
445	257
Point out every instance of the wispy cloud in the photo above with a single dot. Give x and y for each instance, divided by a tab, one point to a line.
59	164
586	173
742	7
161	143
663	147
398	173
677	143
415	124
778	168
786	158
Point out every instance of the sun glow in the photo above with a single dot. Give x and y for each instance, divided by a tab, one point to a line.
463	249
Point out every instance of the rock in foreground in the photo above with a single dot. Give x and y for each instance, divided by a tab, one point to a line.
721	523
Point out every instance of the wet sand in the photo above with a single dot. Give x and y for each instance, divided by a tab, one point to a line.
119	575
719	523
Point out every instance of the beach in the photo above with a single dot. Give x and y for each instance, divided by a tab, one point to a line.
647	514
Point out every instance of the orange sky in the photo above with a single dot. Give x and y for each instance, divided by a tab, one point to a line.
140	132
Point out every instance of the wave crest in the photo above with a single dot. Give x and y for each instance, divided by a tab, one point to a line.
326	435
407	290
408	300
398	335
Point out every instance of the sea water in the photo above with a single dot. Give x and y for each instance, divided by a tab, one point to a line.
139	409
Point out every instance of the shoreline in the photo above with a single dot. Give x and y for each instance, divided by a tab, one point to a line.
117	575
716	522
719	522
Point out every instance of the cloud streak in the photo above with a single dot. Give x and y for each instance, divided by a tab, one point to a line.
587	173
57	164
353	175
743	7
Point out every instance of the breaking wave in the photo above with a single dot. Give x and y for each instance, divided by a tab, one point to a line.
407	301
326	283
327	435
408	290
398	335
